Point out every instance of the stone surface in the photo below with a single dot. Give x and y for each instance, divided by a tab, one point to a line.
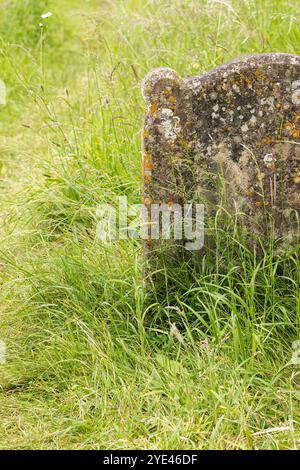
239	124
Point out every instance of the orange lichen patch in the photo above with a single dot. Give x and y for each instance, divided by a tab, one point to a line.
148	162
267	141
288	125
148	165
153	108
262	203
296	134
291	127
147	168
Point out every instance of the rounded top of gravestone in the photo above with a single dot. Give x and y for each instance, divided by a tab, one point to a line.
158	81
260	64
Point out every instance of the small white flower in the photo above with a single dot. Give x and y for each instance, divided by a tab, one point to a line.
46	15
41	25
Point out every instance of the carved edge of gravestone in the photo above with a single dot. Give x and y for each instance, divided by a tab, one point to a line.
161	90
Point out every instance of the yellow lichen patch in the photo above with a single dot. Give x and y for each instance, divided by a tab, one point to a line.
258	73
167	93
245	79
184	144
260	176
297	178
147	201
172	99
146	133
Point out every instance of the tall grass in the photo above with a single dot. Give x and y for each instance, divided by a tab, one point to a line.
94	360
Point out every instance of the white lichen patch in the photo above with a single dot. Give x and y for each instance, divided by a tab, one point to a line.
296	92
268	101
269	158
170	124
253	121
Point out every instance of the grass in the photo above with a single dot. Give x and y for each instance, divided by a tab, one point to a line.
93	360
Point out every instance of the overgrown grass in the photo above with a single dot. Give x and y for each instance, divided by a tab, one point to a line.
92	360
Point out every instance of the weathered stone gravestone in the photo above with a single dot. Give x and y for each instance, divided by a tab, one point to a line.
233	131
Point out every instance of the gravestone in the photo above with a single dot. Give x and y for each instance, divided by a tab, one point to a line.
232	131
